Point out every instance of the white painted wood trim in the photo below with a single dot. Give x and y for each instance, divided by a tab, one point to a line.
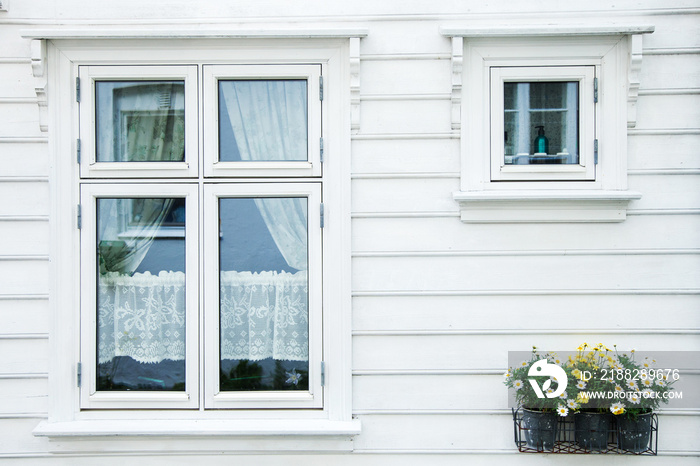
633	78
457	65
553	196
215	428
38	60
355	83
543	206
233	31
547	30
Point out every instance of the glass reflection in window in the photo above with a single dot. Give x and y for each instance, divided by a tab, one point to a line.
264	317
541	122
141	294
263	120
140	121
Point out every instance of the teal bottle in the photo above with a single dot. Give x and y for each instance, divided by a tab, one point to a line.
541	144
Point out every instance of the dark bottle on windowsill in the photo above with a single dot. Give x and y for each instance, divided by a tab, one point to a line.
541	144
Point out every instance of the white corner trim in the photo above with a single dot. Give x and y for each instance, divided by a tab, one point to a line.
355	83
457	65
229	31
546	30
544	206
4	5
195	428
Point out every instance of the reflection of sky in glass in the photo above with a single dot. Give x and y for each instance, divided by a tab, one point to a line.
246	243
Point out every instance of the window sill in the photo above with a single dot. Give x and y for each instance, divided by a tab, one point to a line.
544	206
194	428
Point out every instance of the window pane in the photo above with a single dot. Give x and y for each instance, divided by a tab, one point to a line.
541	122
141	294
140	121
263	120
264	318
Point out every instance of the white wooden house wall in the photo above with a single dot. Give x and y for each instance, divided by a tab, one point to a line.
436	302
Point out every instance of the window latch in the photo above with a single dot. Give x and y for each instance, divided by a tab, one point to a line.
323	215
77	90
79	373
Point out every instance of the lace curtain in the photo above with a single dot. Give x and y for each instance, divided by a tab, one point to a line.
263	315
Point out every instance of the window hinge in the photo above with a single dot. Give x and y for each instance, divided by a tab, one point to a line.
321	150
595	90
323	215
80	218
320	88
77	89
323	373
595	151
77	149
79	371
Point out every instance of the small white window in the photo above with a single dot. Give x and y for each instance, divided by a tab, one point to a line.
542	123
543	113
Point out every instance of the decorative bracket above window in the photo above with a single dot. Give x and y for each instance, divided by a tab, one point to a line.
38	48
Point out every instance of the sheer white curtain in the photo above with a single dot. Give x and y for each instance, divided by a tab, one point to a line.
268	118
266	314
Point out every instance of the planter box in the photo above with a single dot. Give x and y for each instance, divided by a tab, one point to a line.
566	438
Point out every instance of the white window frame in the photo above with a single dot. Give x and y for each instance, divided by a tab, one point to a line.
313	398
327	428
585	168
90	397
609	48
90	167
310	167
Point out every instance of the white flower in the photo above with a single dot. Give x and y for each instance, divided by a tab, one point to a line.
635	398
508	374
581	385
648	393
517	384
572	404
617	408
631	384
660	383
563	396
562	410
647	382
647	363
618	388
524	363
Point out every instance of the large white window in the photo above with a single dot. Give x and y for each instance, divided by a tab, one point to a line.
259	255
200	204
